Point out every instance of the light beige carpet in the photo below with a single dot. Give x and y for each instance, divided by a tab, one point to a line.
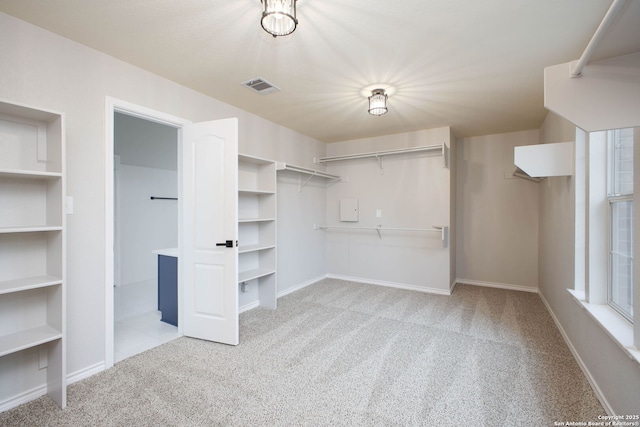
341	353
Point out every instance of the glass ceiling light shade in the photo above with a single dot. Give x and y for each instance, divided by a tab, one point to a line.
378	102
279	17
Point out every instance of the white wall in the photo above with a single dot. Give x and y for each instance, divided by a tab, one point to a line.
412	192
611	371
148	157
145	224
47	71
497	216
299	244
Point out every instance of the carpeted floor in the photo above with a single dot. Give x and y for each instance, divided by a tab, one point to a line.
341	353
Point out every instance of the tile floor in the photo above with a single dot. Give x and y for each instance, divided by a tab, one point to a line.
137	325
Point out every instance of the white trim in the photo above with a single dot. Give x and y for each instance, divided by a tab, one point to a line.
617	327
249	306
301	285
113	105
86	372
391	284
452	286
24	397
592	382
497	285
41	390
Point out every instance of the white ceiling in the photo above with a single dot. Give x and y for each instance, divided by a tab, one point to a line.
475	65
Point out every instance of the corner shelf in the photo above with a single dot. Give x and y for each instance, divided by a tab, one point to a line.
545	160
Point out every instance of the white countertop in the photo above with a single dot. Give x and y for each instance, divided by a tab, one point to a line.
167	252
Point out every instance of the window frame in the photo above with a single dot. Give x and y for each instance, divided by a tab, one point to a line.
614	197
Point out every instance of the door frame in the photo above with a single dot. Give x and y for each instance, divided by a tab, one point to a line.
112	106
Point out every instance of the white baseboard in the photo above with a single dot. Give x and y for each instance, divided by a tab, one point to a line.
576	356
497	285
24	397
85	373
301	285
41	390
249	306
391	284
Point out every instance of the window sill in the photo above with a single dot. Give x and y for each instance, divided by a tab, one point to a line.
617	327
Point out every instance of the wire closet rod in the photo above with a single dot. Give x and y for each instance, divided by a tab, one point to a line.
379	228
437	147
312	172
613	11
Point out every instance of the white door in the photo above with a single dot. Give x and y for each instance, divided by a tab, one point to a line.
209	220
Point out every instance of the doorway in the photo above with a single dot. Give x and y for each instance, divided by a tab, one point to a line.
143	160
145	228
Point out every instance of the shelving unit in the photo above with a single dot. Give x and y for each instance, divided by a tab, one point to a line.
32	252
257	227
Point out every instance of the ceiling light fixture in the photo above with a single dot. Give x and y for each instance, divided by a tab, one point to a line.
279	17
378	102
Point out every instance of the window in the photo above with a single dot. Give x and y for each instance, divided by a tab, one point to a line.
620	197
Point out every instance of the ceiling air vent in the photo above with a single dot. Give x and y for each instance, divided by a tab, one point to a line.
261	86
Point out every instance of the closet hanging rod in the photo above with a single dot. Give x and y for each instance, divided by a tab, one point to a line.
612	13
436	228
426	148
324	227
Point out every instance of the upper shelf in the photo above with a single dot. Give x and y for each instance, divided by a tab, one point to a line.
543	160
306	171
441	149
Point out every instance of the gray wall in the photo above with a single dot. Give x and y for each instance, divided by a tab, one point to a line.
497	214
611	371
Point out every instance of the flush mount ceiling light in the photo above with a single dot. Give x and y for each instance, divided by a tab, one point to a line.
378	102
279	17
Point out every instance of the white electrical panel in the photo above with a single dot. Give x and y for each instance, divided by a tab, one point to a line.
349	210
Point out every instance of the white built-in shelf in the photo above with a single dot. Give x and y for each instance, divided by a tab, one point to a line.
256	273
254	248
28	338
32	242
255	219
25	284
257	228
29	174
30	229
255	192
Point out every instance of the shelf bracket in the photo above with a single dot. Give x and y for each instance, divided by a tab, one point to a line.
301	185
243	286
380	164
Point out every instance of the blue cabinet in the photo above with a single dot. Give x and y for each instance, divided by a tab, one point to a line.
168	288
